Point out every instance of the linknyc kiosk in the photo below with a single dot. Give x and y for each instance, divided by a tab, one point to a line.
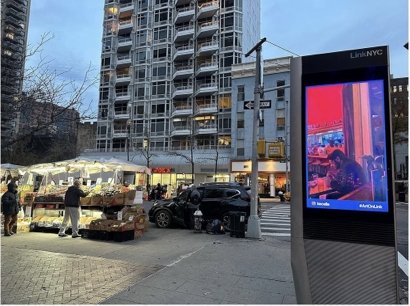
343	246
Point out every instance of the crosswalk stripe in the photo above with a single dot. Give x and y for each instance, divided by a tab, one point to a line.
276	234
276	222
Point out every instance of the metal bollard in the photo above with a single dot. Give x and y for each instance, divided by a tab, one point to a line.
198	221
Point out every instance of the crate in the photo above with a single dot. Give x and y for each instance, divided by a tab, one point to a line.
96	200
85	201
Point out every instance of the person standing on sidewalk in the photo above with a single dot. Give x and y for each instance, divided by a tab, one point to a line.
10	208
72	209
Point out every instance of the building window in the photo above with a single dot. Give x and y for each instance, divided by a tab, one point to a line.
224	124
140	57
159	89
240	152
241	93
158	109
280	93
160	34
400	88
394	88
224	102
280	124
160	54
159	71
157	126
140	74
241	123
105	62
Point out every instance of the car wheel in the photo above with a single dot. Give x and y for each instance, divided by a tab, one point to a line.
163	219
226	221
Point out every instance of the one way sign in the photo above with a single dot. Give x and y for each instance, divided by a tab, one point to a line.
263	104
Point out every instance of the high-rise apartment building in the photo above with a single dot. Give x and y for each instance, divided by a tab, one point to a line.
14	24
166	72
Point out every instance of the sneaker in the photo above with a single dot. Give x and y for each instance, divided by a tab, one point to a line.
12	233
7	235
75	236
62	235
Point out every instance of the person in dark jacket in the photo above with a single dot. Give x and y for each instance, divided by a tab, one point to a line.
10	208
72	209
349	174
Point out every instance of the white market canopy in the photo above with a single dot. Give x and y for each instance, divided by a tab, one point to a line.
12	169
87	166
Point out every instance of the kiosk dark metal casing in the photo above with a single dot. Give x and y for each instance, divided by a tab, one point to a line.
343	225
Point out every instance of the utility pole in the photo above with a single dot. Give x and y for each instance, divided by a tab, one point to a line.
254	223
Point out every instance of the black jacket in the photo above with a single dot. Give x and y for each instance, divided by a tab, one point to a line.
72	196
9	201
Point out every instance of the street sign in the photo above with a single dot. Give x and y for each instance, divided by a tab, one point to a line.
263	104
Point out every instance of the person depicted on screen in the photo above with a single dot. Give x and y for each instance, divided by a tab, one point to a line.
347	176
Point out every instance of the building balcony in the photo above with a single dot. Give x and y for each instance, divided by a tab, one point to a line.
181	2
206	89
207	29
125	7
184	33
125	25
183	72
14	21
123	78
124	43
18	6
183	52
207	68
184	15
15	13
182	110
120	133
123	60
181	131
206	108
183	91
121	115
205	129
208	48
122	96
208	9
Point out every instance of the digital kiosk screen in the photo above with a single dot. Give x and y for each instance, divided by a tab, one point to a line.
346	147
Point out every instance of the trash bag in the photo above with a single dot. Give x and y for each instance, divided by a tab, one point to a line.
215	227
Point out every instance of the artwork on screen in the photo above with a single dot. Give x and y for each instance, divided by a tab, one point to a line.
346	146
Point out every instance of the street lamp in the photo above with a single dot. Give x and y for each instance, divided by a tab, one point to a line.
254	223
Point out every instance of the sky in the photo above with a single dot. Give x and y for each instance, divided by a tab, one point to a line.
303	27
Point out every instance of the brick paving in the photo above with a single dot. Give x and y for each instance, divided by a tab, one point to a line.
41	277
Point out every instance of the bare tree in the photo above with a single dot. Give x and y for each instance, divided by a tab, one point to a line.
50	102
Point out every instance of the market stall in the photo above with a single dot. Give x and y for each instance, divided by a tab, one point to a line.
108	193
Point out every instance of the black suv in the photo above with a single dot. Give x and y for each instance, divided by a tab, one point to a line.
216	201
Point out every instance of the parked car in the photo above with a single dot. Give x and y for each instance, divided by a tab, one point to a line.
216	201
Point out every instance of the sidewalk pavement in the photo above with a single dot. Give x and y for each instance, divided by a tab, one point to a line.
228	271
165	266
